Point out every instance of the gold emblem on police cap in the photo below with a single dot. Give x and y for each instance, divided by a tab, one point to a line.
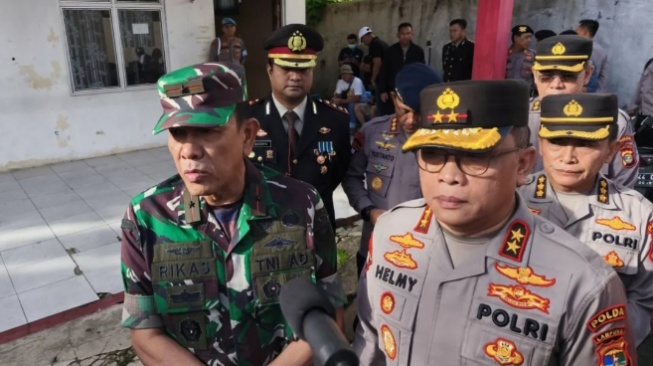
523	29
448	99
573	109
558	49
297	42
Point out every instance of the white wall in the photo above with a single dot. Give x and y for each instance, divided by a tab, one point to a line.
624	30
294	11
41	122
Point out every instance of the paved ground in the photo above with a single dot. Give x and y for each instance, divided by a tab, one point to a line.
98	340
59	241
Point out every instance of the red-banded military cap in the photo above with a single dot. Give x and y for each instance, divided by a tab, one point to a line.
294	46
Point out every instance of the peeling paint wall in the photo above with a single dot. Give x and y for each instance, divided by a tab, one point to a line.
623	31
42	122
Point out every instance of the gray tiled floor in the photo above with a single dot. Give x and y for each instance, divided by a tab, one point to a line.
59	244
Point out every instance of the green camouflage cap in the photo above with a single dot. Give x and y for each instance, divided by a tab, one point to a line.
202	95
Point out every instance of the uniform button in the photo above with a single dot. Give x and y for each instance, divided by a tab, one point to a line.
294	161
546	228
260	158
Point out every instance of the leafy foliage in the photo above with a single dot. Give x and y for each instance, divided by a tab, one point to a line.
315	10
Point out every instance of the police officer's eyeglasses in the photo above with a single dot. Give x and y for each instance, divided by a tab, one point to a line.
433	160
565	77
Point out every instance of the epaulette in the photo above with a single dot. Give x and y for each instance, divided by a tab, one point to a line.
536	105
254	101
333	106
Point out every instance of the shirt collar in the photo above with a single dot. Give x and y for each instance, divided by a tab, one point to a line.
300	109
257	201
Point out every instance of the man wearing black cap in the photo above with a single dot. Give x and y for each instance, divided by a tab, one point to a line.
562	67
578	134
391	175
468	275
543	34
302	137
520	57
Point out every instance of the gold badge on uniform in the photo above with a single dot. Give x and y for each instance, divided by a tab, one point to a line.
377	183
261	133
541	187
324	130
536	105
323	169
424	222
504	352
269	154
387	302
394	125
524	275
616	223
603	194
401	259
407	241
613	259
389	342
519	297
385	145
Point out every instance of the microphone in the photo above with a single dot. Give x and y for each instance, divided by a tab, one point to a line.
311	315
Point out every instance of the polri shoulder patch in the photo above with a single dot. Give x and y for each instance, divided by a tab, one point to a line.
514	244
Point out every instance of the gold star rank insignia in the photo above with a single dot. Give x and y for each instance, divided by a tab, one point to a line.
514	243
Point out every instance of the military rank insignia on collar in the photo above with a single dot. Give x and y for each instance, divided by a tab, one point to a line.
514	244
191	208
424	222
540	191
602	193
536	105
394	125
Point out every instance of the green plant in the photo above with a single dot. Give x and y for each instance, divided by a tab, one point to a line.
315	10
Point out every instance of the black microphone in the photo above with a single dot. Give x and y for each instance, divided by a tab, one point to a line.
311	315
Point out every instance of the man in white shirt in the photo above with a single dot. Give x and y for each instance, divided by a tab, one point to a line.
349	91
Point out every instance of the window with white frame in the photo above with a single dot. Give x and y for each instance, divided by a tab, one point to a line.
115	44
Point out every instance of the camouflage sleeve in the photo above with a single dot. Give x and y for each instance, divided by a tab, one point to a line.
625	166
138	307
599	328
324	244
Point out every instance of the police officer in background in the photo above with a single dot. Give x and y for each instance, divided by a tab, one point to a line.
305	138
520	57
578	134
390	174
468	275
457	55
562	67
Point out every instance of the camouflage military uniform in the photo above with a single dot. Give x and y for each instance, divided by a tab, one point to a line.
215	297
210	276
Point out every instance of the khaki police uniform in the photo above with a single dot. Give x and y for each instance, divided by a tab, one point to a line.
532	295
615	223
392	177
610	218
569	53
